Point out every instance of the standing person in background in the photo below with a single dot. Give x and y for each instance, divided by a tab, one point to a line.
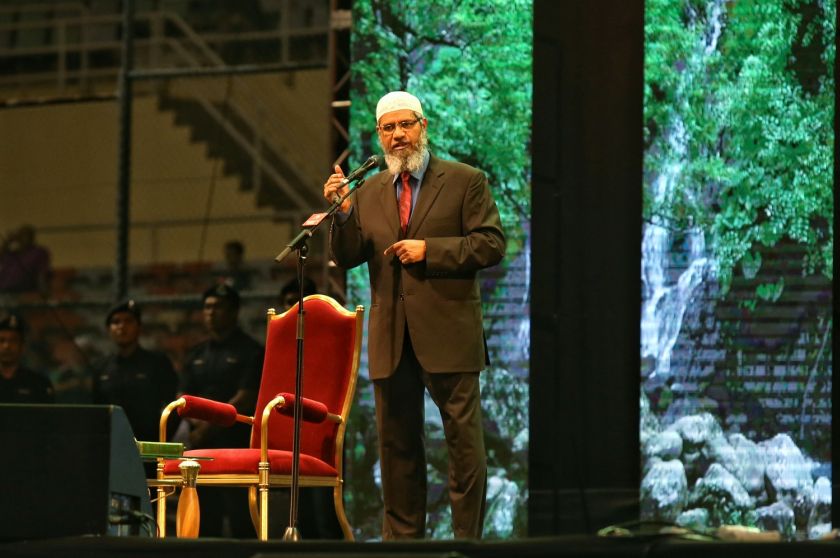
290	292
24	265
425	227
226	367
19	384
140	381
235	275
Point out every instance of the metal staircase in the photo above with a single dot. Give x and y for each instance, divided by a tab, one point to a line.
59	51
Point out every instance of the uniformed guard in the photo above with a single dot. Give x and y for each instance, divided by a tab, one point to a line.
140	381
226	367
19	384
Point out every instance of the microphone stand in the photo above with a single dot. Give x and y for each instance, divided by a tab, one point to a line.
299	245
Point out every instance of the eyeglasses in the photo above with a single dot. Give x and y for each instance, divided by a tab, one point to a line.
404	125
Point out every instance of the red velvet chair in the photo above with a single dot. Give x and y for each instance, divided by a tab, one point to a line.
331	362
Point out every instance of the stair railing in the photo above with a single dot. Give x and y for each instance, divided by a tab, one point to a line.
247	104
72	35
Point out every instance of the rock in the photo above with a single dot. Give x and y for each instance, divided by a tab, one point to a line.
665	445
696	518
718	450
748	467
821	510
686	406
648	464
648	423
775	517
819	530
788	476
696	431
502	502
721	493
664	491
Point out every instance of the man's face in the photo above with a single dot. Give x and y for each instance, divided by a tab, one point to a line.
124	329
220	314
400	143
11	347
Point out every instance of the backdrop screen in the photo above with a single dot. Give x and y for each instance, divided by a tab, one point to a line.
469	62
737	266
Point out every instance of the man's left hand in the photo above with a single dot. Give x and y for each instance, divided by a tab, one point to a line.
408	251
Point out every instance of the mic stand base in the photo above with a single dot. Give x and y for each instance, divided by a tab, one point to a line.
291	534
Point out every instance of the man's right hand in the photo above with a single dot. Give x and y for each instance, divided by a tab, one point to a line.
334	186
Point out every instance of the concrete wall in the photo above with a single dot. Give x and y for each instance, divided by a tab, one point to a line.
58	171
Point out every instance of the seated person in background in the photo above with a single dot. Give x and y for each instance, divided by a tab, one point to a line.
235	275
17	383
140	381
290	292
24	265
226	367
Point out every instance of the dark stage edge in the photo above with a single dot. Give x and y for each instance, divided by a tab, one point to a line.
584	546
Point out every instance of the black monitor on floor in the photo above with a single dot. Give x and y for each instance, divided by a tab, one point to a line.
70	470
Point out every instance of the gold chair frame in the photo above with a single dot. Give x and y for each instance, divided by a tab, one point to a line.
258	485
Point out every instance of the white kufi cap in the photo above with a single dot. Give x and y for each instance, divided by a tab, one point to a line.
397	100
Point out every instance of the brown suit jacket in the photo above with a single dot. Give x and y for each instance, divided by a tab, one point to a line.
438	299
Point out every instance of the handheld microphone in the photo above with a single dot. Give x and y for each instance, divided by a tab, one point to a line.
358	173
373	161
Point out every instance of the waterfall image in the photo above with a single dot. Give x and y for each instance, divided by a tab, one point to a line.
737	266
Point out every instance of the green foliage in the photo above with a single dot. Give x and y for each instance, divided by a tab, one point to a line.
771	291
739	114
739	111
469	62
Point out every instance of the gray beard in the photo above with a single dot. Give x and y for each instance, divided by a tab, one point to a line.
411	161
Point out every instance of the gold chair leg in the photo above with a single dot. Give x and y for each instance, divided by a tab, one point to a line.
264	472
338	501
189	513
254	509
161	502
161	511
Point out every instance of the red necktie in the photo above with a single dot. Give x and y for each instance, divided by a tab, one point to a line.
405	202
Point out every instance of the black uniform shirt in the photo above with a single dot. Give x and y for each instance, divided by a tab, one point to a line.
26	386
218	369
142	383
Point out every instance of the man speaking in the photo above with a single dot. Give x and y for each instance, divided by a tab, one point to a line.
425	227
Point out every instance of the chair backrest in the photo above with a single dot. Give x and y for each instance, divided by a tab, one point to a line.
332	347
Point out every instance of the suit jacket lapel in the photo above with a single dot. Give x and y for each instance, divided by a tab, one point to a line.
432	183
388	199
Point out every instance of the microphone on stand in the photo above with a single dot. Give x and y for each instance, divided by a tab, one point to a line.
358	173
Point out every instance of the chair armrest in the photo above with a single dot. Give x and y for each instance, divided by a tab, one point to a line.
164	416
311	410
189	406
215	412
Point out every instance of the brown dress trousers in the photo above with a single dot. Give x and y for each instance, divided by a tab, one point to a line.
425	332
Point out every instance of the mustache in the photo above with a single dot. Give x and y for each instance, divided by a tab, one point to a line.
409	159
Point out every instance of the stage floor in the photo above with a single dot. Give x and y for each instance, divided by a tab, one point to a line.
584	546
